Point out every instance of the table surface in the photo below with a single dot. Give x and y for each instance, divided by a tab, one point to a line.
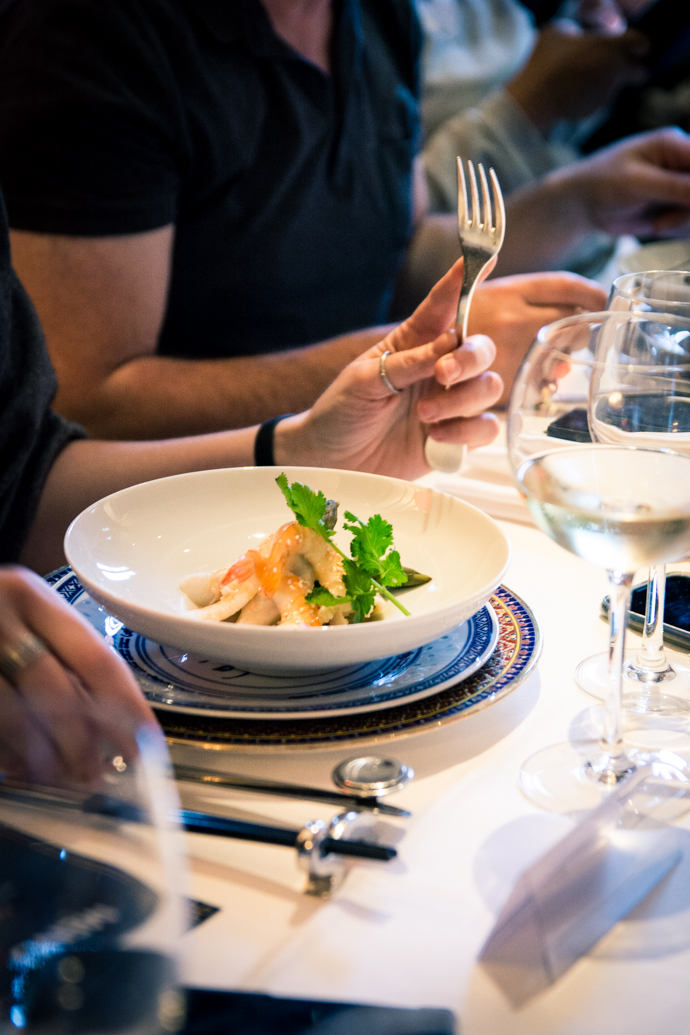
408	933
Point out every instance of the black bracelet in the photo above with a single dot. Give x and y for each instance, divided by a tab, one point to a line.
263	443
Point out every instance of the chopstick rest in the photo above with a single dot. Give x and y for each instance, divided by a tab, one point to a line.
322	848
568	900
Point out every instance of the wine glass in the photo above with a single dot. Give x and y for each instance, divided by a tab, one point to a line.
90	916
617	507
657	681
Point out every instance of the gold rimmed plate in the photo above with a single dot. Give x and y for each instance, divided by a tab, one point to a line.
513	658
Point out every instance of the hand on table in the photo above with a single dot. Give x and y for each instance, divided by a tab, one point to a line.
512	309
62	690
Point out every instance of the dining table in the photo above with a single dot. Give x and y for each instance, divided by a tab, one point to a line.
408	932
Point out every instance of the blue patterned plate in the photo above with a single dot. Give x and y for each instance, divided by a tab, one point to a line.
179	681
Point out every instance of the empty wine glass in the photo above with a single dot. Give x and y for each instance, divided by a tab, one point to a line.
616	507
90	914
657	680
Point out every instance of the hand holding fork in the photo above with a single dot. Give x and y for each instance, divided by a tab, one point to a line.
481	236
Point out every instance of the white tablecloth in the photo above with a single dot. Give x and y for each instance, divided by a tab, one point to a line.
408	933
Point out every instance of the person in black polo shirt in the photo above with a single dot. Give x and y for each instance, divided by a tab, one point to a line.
201	188
369	419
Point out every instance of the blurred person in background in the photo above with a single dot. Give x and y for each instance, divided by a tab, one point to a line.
498	91
199	191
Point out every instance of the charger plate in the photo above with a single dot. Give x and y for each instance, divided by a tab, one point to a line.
515	655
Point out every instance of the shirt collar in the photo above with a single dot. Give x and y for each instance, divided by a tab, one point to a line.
244	21
247	21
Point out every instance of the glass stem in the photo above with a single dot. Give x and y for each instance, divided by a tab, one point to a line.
651	653
620	584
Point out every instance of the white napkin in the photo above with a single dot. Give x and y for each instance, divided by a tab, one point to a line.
574	894
485	480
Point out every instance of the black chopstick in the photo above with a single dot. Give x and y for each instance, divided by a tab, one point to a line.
203	823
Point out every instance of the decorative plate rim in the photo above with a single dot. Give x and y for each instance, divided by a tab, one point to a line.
134	648
480	691
323	712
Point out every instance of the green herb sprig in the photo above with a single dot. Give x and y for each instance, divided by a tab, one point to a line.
373	565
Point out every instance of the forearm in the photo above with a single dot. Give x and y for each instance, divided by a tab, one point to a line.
154	397
85	471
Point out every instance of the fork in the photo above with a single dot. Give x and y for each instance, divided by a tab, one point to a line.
481	237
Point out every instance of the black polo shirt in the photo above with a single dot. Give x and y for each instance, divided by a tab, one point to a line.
290	190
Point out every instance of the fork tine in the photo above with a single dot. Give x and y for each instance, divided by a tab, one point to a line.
487	222
499	206
475	195
462	197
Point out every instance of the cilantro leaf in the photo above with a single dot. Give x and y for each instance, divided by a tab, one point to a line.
309	507
360	589
369	545
323	598
373	564
392	572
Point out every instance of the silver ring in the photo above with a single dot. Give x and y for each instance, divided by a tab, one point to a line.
22	653
384	376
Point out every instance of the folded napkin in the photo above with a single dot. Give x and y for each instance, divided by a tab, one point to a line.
574	894
485	480
227	1013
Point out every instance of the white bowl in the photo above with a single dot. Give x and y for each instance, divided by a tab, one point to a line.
131	550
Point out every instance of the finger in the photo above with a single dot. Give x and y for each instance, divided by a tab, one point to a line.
672	219
406	368
472	432
15	737
77	646
60	708
543	315
462	400
557	289
475	355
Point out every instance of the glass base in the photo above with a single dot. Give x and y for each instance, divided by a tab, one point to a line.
575	776
646	691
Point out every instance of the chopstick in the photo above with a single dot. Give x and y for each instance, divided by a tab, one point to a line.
195	774
197	822
203	823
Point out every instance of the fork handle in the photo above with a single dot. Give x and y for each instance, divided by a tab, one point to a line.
474	267
448	457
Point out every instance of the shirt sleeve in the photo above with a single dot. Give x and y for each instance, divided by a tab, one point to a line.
89	119
498	134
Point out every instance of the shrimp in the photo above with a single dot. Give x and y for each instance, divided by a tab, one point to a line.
239	584
282	569
204	588
294	609
328	567
259	611
256	571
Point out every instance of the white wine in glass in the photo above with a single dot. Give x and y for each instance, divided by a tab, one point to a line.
657	681
616	507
